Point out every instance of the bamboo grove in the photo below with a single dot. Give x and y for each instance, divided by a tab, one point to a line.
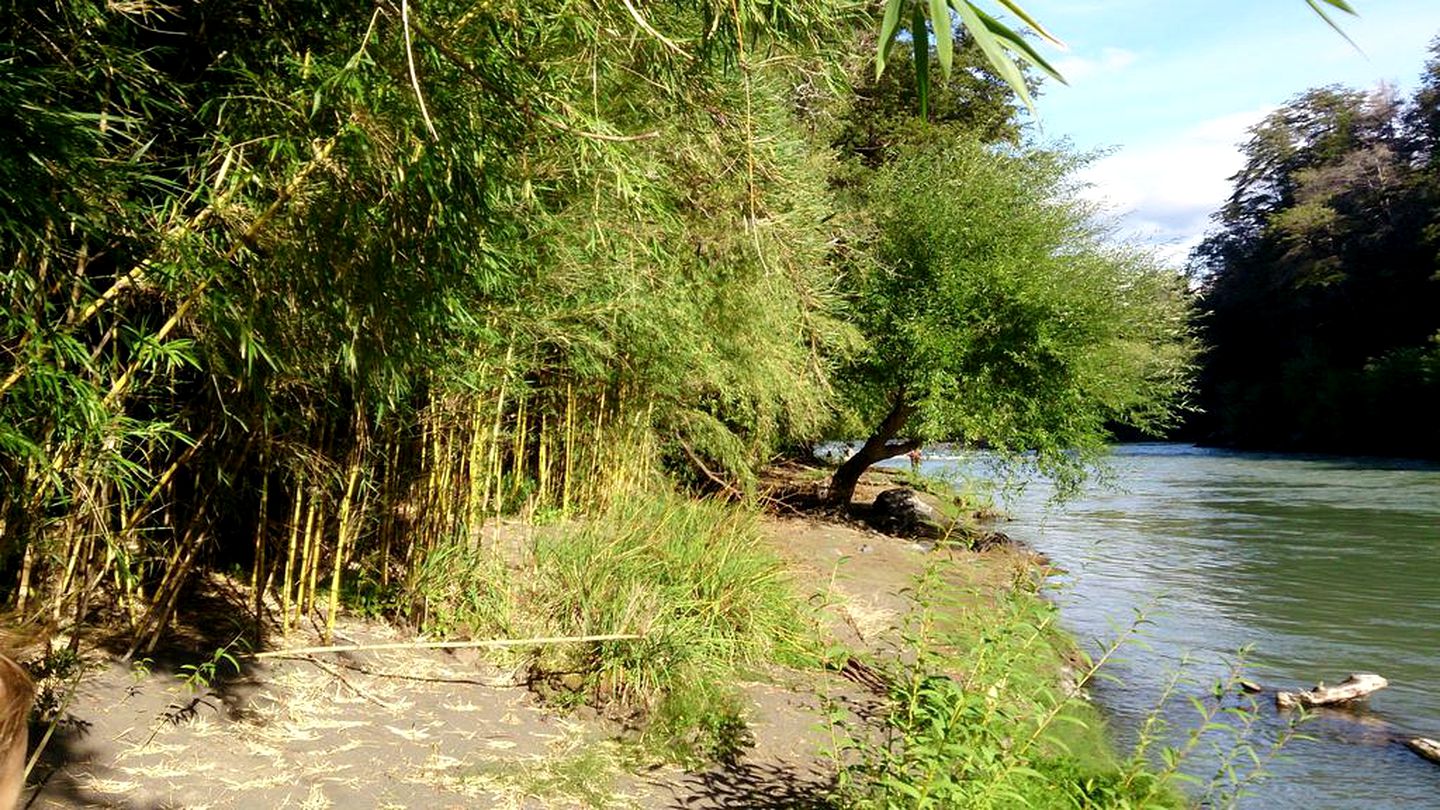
310	292
310	289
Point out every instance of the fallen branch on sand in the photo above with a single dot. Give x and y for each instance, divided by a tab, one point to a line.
446	645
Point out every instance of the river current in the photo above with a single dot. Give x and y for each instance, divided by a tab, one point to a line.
1320	566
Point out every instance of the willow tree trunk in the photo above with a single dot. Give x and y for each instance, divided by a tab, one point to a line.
880	446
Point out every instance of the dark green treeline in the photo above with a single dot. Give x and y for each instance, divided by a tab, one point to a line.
1321	282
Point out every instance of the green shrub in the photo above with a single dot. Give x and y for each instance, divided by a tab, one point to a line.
976	719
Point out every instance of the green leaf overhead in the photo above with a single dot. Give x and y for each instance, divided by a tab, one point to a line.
1015	42
944	42
889	27
1318	8
1034	24
922	58
1000	43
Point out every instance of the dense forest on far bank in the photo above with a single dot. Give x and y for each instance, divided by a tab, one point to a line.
1321	281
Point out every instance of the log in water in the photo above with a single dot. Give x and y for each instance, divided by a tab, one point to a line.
1427	748
1356	687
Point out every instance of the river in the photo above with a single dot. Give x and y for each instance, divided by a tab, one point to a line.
1322	566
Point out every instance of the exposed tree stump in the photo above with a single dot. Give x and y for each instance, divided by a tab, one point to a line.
1356	687
1425	747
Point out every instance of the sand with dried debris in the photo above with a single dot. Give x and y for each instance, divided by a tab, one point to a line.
427	728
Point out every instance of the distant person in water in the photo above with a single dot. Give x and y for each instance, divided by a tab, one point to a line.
915	461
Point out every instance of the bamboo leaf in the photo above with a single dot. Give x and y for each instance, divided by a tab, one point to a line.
921	39
1338	4
1034	24
1015	42
889	27
944	44
991	48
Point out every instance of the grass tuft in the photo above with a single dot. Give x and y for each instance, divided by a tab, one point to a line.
692	578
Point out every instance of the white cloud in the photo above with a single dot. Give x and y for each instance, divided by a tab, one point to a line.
1165	191
1079	68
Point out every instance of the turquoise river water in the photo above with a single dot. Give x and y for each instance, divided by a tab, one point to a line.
1322	566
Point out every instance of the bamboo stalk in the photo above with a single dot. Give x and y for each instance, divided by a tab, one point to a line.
478	489
287	581
342	535
391	486
155	622
306	552
72	560
569	448
594	467
87	583
167	593
542	461
517	443
257	578
420	527
425	517
495	472
317	542
453	474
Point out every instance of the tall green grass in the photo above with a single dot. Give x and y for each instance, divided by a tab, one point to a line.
691	578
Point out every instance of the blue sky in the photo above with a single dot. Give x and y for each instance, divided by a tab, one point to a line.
1171	86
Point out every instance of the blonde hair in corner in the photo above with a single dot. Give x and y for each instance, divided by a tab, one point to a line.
17	692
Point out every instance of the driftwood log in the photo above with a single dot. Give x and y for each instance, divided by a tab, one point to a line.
1425	747
1356	687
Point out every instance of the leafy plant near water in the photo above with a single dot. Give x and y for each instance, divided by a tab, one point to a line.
1222	740
975	719
991	729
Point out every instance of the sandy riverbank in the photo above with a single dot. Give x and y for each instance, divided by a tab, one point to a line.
434	728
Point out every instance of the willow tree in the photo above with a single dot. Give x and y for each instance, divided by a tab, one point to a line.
998	315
